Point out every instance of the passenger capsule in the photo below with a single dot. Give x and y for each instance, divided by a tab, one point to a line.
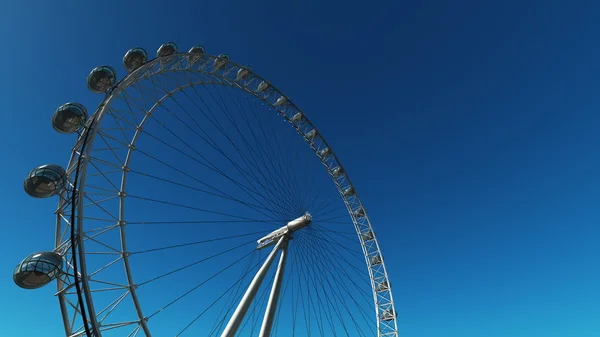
280	101
367	236
166	49
312	134
69	118
325	152
263	86
337	172
387	315
37	270
382	286
348	192
101	79
243	73
220	61
375	260
195	54
197	49
45	181
359	213
298	117
134	58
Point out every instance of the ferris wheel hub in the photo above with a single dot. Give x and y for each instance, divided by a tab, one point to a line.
288	229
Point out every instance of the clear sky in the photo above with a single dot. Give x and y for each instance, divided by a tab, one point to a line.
470	130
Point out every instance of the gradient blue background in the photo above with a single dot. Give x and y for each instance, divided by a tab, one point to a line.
469	127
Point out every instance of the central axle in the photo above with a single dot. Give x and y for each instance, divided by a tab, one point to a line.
292	226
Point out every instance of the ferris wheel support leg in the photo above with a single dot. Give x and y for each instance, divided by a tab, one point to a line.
238	316
267	324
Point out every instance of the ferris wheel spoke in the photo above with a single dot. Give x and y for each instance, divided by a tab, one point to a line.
260	152
339	284
228	290
98	202
338	223
218	194
104	313
103	174
106	137
348	235
272	199
168	203
119	122
206	163
271	172
217	126
325	238
234	298
275	193
104	210
132	106
318	203
198	242
199	285
193	178
341	300
111	149
92	274
328	207
317	198
273	155
311	284
202	222
120	116
306	274
316	260
195	263
334	218
330	254
234	295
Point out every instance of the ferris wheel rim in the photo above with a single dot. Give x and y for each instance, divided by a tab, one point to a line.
145	71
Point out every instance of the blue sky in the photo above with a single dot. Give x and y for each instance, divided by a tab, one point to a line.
469	130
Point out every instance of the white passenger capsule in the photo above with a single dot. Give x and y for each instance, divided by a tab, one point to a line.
349	191
101	79
243	73
220	61
297	117
387	315
337	172
325	152
368	235
195	54
375	260
37	270
312	134
134	58
382	286
166	49
359	213
280	101
69	118
45	181
262	87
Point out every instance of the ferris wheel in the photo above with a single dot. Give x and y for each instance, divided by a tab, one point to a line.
199	200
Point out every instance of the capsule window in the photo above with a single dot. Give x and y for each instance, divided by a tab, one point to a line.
37	270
